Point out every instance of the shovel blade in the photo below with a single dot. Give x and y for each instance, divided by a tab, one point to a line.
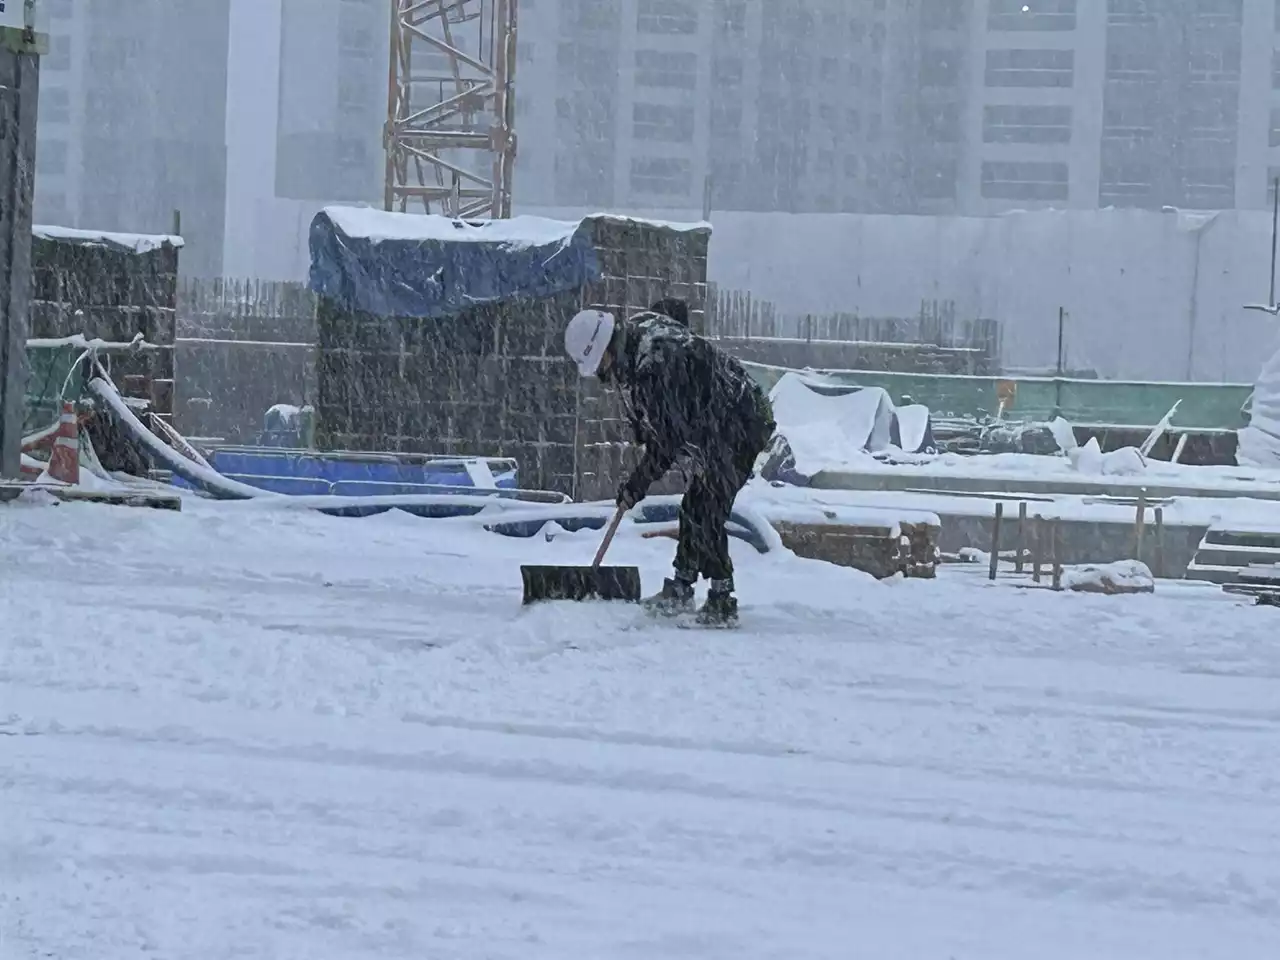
580	583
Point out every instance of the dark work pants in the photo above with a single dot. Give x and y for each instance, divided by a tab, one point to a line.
704	513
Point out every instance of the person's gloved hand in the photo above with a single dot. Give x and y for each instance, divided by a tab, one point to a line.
629	494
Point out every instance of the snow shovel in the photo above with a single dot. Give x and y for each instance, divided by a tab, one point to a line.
584	583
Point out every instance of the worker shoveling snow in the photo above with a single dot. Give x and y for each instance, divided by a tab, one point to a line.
824	425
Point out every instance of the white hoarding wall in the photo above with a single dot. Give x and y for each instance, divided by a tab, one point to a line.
1149	295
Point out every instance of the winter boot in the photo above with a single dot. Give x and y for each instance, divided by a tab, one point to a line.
721	608
676	598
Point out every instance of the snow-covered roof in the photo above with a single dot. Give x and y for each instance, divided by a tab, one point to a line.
367	223
137	242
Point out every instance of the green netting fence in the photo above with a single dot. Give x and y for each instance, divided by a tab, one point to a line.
49	375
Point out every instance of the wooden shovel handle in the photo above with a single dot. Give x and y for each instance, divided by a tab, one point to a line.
608	535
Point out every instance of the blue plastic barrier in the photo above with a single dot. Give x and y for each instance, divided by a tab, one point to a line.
301	472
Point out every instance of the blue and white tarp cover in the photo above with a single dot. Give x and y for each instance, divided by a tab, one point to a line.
425	266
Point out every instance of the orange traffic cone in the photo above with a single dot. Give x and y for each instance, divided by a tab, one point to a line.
64	461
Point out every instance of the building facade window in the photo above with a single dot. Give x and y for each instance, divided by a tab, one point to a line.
1024	123
1030	68
1041	15
663	176
1125	184
678	17
658	121
667	69
1025	180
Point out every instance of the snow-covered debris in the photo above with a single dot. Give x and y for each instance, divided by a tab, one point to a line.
1090	460
828	426
1123	576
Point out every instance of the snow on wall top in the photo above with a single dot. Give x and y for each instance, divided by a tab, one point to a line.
428	266
377	226
374	225
134	242
695	226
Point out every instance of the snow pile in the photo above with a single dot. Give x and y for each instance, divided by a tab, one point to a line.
827	426
1258	444
1123	576
1091	461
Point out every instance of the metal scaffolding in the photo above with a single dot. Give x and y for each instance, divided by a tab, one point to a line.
450	139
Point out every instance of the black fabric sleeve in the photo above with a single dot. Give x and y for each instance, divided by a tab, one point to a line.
658	398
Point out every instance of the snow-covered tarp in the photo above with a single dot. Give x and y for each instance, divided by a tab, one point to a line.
824	425
128	242
412	265
415	265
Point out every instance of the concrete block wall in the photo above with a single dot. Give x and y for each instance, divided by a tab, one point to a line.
494	381
109	292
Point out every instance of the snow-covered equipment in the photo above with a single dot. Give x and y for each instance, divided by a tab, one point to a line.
824	424
595	582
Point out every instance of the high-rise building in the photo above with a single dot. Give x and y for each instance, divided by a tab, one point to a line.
132	120
912	106
1127	103
650	104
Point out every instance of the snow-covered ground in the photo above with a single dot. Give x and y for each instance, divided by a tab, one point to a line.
253	733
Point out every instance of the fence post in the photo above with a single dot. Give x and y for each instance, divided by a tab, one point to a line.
1159	557
995	540
1140	525
1022	535
1037	549
1053	555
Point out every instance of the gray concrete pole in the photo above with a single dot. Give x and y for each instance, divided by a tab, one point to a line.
19	91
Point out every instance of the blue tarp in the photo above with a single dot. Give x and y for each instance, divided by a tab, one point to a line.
410	265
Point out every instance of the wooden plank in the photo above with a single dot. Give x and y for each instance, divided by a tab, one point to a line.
125	498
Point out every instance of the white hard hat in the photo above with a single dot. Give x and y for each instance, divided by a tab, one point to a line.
587	337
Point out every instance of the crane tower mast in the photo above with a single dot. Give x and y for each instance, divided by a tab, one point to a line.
449	138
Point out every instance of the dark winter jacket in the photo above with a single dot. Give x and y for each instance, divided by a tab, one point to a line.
687	398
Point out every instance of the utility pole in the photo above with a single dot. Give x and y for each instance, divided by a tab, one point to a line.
20	48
